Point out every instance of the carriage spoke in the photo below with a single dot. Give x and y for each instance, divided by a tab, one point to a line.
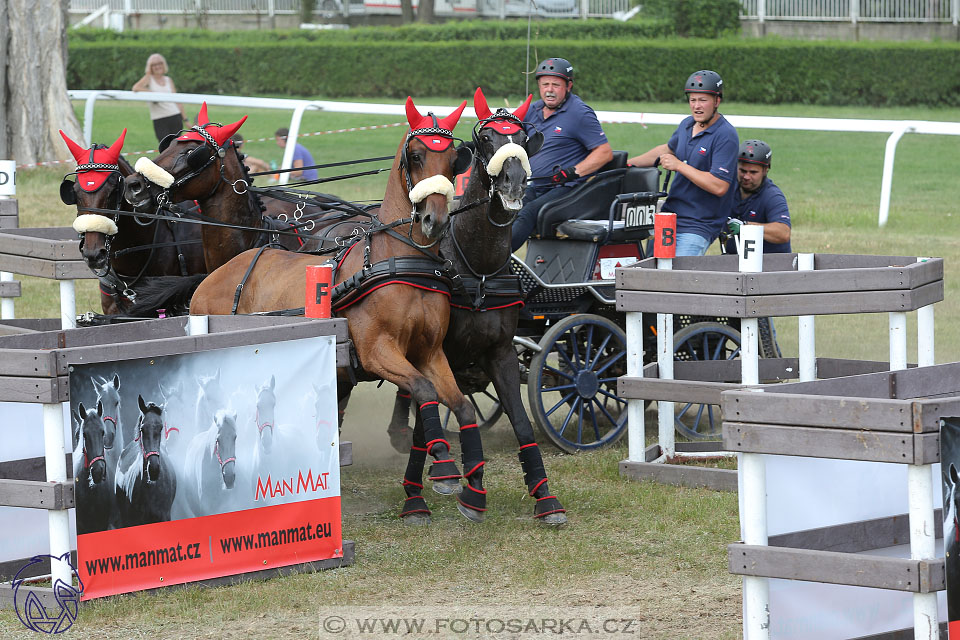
601	350
612	396
596	423
580	422
613	360
558	372
612	420
566	420
562	402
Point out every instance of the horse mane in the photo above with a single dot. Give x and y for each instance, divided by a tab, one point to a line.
200	447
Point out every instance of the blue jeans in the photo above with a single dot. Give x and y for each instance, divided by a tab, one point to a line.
691	244
533	199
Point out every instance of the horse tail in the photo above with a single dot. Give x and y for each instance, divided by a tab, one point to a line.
171	293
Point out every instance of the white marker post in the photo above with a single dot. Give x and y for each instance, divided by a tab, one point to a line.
198	325
753	473
664	250
807	330
919	477
55	456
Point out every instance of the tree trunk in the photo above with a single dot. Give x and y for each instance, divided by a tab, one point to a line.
406	10
33	81
425	11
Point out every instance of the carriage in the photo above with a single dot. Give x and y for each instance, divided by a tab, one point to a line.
571	340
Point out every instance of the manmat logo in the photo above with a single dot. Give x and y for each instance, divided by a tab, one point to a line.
289	486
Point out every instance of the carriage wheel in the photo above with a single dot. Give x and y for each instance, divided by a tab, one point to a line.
703	341
487	405
572	384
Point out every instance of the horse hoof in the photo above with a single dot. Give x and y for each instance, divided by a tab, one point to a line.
446	487
416	519
470	514
401	440
553	519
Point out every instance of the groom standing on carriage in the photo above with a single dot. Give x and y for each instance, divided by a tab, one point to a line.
574	144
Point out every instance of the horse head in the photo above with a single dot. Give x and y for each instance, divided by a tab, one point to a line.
108	398
191	166
225	447
149	436
266	413
92	434
428	161
99	185
503	148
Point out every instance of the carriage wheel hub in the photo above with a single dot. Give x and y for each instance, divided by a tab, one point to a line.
587	384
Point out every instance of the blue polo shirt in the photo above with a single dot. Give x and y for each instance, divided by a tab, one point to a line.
766	204
569	135
715	151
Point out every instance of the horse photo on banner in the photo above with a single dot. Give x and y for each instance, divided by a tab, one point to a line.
950	470
173	453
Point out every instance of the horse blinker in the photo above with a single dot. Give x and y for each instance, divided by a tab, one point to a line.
198	157
67	195
534	143
167	139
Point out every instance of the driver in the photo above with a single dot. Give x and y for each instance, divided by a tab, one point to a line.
574	144
758	200
703	152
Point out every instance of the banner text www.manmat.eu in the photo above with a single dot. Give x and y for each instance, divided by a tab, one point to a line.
187	550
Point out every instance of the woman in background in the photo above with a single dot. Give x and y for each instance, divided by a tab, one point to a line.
167	117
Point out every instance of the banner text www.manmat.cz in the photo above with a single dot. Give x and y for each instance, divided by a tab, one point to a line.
151	558
191	551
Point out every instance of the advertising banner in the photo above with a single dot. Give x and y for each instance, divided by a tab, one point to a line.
950	463
207	464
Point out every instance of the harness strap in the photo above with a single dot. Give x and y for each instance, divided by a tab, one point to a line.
246	276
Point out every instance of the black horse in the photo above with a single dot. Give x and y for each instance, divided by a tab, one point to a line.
146	482
122	249
92	475
485	311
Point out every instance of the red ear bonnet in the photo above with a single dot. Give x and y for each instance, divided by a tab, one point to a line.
436	133
505	127
220	134
93	179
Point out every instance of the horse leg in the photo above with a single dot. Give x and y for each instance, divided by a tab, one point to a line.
502	369
399	429
415	511
472	498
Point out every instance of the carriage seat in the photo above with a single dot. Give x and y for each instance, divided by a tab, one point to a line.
584	212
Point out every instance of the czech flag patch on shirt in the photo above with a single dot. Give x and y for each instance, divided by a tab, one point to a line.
557	129
702	150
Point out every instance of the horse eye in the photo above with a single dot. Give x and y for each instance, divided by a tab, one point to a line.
416	158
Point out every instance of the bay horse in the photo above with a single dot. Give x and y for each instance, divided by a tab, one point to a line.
121	249
92	474
484	316
146	482
389	286
209	169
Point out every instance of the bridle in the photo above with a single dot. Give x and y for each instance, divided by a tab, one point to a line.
216	452
263	425
500	115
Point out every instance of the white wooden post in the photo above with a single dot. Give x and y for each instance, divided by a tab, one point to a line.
636	428
56	463
756	590
761	11
919	477
665	408
198	325
6	304
807	330
68	305
854	11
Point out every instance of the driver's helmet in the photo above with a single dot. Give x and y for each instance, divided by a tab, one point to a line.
555	67
704	81
755	152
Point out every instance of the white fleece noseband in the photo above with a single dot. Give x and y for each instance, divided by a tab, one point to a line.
509	150
155	174
431	185
95	223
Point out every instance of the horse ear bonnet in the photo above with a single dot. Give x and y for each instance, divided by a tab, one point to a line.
464	159
67	194
167	139
199	156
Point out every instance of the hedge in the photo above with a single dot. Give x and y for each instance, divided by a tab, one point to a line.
754	71
461	30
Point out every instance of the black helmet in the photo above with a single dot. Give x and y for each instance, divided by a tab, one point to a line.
704	81
755	152
555	67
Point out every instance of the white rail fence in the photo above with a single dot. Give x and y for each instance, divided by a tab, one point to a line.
853	10
895	128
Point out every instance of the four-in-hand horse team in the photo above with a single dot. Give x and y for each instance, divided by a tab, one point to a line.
423	279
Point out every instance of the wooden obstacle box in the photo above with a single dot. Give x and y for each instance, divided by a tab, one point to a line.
891	417
9	213
713	286
52	253
35	368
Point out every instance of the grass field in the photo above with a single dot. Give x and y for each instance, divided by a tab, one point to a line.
635	548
